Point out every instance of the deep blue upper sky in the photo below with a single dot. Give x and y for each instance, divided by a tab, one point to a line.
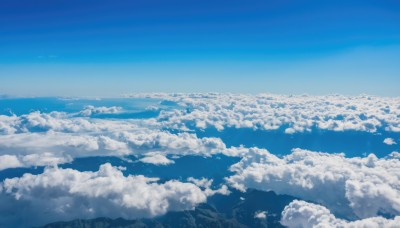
198	45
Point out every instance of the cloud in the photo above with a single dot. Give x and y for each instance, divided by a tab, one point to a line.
156	159
91	110
181	143
39	159
293	114
65	194
394	155
260	215
389	141
301	214
65	137
355	187
206	184
6	124
9	161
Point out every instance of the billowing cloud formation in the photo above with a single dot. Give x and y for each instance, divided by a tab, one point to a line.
300	214
63	137
91	110
359	186
9	161
156	159
206	185
64	194
293	113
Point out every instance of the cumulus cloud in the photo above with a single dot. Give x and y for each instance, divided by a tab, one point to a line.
356	187
51	148
64	194
206	184
9	161
394	154
181	143
301	214
64	136
260	215
271	112
91	110
156	159
389	141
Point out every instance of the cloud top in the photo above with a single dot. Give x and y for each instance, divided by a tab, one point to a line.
65	194
300	214
293	114
355	187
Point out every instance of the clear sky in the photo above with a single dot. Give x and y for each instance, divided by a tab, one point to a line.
107	48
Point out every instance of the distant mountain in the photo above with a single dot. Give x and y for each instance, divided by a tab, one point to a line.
237	210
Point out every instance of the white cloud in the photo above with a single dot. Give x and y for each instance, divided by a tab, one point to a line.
206	184
181	143
65	137
9	161
293	113
389	141
260	215
91	110
359	186
64	194
300	214
394	155
44	159
156	159
40	159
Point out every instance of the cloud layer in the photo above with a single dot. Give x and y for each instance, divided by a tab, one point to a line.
291	113
300	214
359	188
356	187
38	139
64	194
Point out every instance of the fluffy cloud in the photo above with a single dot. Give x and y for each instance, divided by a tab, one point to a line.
91	110
181	143
9	161
64	194
65	136
206	184
156	159
292	113
300	214
389	141
356	187
260	215
51	148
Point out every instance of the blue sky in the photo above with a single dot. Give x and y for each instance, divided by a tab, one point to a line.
106	48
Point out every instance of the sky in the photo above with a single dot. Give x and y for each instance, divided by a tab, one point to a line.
109	48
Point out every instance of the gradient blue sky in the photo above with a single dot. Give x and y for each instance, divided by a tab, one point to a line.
107	48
